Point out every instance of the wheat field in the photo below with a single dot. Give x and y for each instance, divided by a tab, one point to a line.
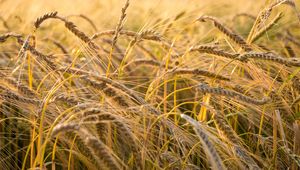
149	84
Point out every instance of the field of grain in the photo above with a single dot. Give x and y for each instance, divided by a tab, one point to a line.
149	84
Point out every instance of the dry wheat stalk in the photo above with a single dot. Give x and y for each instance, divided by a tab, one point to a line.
226	128
120	24
210	150
271	57
263	16
266	27
232	94
226	31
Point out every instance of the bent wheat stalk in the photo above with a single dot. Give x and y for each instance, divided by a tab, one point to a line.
266	28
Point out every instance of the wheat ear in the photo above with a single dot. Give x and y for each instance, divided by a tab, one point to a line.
120	23
210	150
197	72
226	31
271	57
99	80
100	150
231	94
69	25
270	25
232	136
12	96
213	50
43	18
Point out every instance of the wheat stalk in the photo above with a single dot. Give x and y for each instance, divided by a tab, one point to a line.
266	28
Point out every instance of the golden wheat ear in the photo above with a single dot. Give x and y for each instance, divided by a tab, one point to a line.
102	153
231	94
227	32
43	18
270	57
211	152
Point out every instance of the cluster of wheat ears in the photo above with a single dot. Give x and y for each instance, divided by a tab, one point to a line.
153	99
